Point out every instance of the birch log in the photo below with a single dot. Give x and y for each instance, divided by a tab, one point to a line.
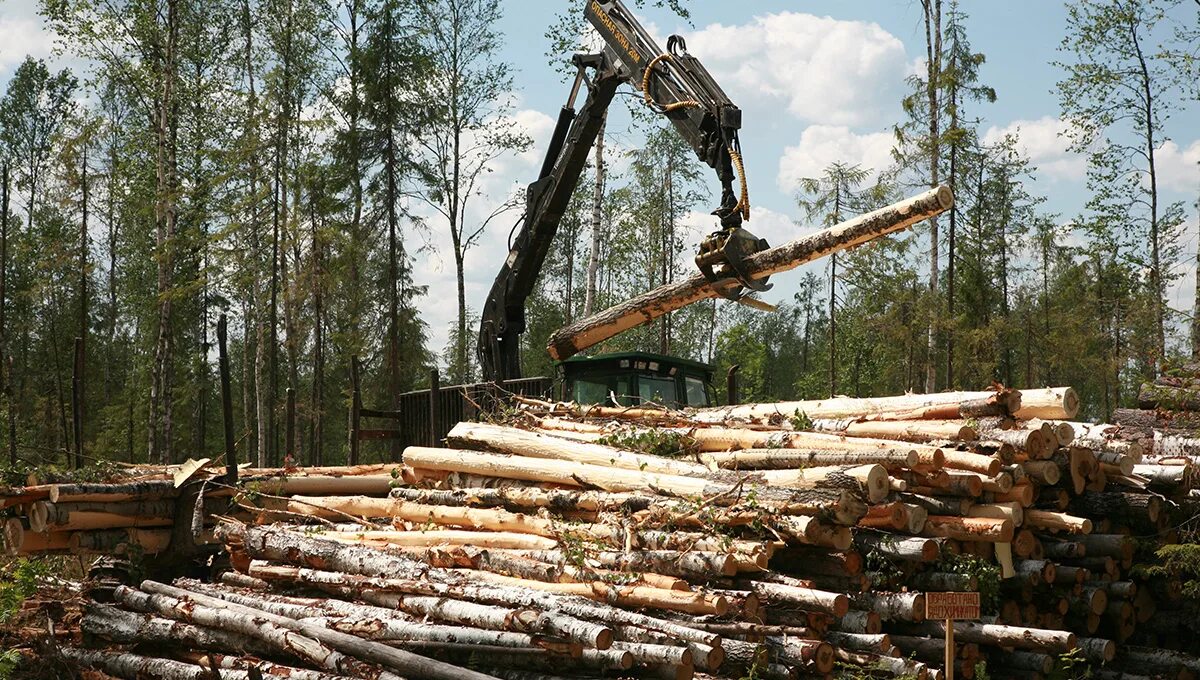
648	306
937	406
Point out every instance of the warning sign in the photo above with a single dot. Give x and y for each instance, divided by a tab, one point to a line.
944	606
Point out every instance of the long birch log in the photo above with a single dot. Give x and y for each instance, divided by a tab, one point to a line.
412	665
129	665
280	637
612	479
936	406
648	306
501	439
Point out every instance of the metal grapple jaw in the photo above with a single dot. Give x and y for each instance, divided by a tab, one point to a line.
722	259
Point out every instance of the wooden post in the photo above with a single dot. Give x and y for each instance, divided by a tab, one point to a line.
355	407
949	669
950	607
731	385
231	469
290	431
77	403
435	391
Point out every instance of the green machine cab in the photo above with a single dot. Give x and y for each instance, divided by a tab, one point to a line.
636	378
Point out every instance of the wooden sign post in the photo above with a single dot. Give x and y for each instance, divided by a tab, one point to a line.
951	607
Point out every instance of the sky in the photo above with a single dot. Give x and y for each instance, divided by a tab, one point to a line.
818	82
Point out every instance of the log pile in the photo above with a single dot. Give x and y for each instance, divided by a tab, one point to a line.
137	512
767	540
1167	423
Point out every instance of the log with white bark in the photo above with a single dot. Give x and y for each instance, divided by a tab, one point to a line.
407	663
815	498
937	406
782	459
447	537
259	626
627	596
129	665
898	548
810	599
1018	637
144	490
126	627
648	306
891	606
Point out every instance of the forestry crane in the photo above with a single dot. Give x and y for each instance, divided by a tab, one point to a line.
673	83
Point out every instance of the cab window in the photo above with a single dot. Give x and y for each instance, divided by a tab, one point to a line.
657	390
590	391
697	394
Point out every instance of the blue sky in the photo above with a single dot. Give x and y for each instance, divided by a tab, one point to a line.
818	82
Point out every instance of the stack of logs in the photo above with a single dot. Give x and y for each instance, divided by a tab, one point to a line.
774	540
1167	424
137	513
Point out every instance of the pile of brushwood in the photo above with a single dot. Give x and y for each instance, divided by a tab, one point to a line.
778	540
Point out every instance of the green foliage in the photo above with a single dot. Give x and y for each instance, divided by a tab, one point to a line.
981	671
19	583
1180	561
10	659
653	441
801	422
986	573
1070	666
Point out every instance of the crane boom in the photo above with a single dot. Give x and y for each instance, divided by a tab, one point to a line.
675	84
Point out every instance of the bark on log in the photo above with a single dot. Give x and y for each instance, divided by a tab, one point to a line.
146	490
1057	521
782	459
126	627
653	304
892	606
810	599
412	665
608	478
267	628
129	665
943	405
894	547
1018	637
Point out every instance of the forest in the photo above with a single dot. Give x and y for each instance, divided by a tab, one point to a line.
270	161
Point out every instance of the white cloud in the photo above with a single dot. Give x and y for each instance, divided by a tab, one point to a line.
1179	167
822	145
22	32
821	69
1042	141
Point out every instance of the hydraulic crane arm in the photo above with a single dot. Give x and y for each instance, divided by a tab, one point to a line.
675	84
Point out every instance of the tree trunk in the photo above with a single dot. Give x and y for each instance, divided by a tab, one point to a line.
651	305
